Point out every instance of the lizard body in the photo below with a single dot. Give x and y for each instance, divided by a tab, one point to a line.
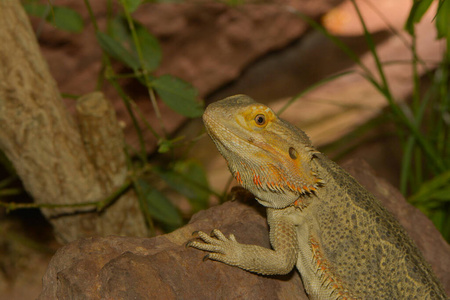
341	239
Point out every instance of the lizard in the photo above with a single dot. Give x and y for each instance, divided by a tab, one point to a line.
341	239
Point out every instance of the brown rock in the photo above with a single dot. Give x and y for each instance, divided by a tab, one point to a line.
206	44
163	268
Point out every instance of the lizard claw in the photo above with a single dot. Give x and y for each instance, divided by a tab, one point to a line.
189	243
206	257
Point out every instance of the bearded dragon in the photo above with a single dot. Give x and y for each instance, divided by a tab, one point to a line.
344	243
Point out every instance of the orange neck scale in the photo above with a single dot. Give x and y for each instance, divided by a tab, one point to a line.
268	156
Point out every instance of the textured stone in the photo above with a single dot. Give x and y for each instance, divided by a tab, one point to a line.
163	268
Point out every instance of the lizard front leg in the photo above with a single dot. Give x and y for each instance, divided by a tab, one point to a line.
280	260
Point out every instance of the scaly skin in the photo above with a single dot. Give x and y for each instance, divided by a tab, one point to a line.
341	239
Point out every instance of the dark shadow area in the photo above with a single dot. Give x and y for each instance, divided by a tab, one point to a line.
286	72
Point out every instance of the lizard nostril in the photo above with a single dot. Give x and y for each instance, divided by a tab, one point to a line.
293	153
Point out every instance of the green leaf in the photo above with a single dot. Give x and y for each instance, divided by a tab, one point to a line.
61	17
131	5
442	20
67	19
36	9
165	146
178	95
189	179
151	50
416	13
119	30
159	207
116	50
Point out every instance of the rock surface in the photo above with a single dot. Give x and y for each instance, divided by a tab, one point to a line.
163	268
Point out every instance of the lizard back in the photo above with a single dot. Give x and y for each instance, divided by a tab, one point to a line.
366	248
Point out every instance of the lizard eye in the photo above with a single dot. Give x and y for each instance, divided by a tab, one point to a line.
260	120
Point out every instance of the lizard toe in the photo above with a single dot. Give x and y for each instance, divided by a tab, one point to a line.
219	235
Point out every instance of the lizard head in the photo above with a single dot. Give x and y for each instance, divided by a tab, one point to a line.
268	156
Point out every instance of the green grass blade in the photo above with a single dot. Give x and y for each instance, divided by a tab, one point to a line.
349	52
431	186
416	13
312	87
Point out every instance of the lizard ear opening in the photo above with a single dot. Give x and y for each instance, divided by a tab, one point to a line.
293	153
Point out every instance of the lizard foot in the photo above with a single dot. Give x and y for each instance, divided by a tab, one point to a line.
222	249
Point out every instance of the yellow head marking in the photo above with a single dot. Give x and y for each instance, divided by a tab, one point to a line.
256	117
